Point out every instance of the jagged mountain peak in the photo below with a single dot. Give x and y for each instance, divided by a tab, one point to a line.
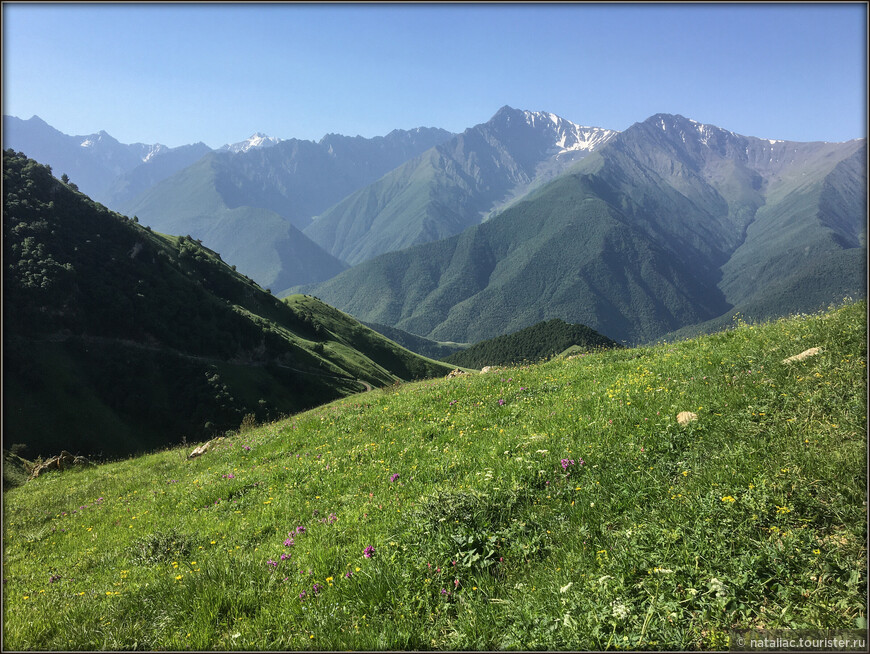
256	140
565	135
100	138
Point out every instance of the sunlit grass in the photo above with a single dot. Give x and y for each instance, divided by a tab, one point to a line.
482	533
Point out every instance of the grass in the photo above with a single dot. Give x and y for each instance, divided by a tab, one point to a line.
555	506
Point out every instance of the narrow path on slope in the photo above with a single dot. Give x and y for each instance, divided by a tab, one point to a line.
97	340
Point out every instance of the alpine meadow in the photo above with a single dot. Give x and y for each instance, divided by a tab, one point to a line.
413	369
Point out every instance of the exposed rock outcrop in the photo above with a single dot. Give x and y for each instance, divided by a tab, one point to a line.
806	354
62	461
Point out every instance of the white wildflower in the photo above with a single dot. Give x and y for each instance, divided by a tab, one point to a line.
620	610
718	587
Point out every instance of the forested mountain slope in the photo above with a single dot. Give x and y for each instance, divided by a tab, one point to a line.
118	339
671	223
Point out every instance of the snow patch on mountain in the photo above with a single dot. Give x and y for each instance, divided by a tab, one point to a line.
256	140
568	136
154	150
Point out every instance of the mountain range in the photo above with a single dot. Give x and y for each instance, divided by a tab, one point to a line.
102	167
526	217
454	185
668	224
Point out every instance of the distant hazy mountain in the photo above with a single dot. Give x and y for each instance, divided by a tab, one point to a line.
250	204
96	163
261	243
454	185
148	173
670	223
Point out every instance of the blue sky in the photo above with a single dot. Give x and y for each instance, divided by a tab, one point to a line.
176	73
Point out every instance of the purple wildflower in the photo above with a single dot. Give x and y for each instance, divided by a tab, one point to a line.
369	552
501	402
348	574
274	564
394	477
316	588
566	463
444	591
303	595
300	529
284	556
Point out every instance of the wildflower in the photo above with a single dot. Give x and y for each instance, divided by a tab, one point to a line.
54	578
287	543
369	552
717	586
620	611
444	591
303	595
272	563
300	529
316	588
284	556
501	402
348	574
566	463
728	498
394	477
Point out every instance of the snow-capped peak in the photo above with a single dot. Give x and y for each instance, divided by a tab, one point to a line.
256	140
569	137
153	151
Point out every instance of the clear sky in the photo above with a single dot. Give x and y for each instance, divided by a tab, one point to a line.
217	73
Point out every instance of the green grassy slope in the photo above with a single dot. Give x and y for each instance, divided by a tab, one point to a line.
555	506
531	344
118	339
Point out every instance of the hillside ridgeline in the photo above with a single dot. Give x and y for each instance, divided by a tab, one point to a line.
119	339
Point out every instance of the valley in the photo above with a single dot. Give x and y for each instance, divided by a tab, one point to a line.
613	345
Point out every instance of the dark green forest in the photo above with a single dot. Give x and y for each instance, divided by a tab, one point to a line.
540	341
